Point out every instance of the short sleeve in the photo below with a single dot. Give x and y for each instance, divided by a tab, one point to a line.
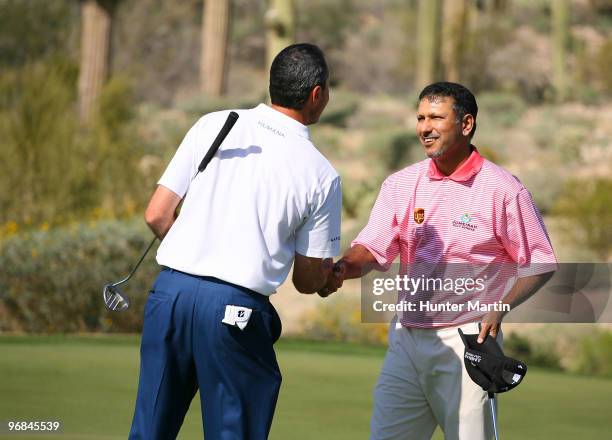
524	236
381	234
182	167
319	235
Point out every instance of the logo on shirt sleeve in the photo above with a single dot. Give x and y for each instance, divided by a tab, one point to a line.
419	215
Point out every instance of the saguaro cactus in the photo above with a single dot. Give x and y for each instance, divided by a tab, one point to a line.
428	51
95	42
280	27
560	36
213	60
456	19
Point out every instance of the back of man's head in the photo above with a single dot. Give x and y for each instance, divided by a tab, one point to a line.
295	71
464	102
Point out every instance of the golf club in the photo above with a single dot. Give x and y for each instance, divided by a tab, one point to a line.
493	413
489	368
114	298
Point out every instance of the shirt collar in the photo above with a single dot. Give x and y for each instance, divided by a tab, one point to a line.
465	172
284	120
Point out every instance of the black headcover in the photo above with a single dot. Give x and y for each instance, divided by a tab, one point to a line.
488	367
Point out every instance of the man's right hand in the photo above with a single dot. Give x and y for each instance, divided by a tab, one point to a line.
334	280
356	262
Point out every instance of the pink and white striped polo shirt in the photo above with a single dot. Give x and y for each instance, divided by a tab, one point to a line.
480	216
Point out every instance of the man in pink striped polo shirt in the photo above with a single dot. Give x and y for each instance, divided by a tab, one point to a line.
454	208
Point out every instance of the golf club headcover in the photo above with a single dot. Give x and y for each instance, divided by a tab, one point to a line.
488	367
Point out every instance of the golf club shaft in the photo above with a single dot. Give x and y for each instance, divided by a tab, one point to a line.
137	264
493	415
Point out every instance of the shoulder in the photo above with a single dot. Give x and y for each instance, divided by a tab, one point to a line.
502	180
219	117
408	176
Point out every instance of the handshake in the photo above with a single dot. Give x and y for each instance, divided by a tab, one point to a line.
335	278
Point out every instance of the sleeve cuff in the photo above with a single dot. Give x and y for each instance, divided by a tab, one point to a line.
382	261
536	269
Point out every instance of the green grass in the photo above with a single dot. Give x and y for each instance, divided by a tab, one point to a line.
89	383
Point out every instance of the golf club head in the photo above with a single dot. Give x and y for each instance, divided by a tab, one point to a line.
488	367
114	299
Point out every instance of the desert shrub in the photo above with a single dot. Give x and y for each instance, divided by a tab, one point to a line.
51	281
595	357
357	196
32	30
492	154
338	318
502	109
586	207
540	355
199	105
327	139
120	186
603	60
327	22
342	105
62	170
40	151
545	187
377	57
517	60
394	148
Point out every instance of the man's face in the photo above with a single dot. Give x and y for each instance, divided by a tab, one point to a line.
437	127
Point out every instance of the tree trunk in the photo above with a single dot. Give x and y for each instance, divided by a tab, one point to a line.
280	28
213	59
95	42
456	17
428	51
560	37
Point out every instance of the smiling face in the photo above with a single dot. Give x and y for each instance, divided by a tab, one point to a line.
438	129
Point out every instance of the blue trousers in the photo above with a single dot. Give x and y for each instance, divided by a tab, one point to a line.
185	346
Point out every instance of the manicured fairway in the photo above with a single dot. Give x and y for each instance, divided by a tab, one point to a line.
89	383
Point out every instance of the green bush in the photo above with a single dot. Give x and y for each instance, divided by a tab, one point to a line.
394	148
586	207
357	196
199	105
51	281
545	187
65	172
503	109
596	355
342	105
31	29
521	348
602	61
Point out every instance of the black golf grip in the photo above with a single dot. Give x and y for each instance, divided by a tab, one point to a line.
229	123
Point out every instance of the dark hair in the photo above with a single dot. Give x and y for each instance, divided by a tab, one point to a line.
464	101
295	71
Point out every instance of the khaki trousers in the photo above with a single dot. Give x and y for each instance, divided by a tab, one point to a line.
423	383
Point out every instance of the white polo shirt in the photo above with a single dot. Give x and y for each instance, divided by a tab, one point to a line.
266	194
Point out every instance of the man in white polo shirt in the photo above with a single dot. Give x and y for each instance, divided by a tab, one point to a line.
452	211
267	200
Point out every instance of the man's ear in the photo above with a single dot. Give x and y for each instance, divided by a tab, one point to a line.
315	94
467	124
